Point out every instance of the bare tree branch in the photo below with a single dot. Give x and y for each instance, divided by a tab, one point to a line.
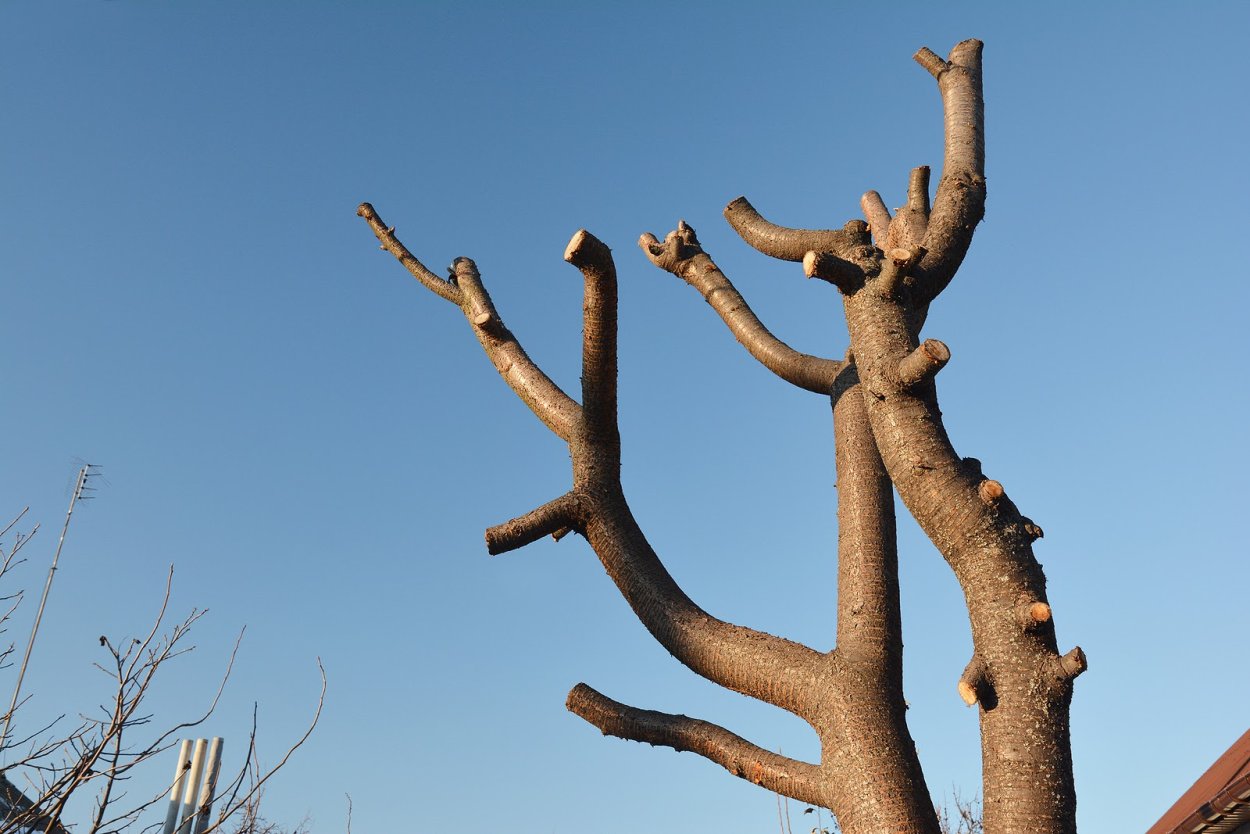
543	397
386	234
561	514
681	254
789	777
792	244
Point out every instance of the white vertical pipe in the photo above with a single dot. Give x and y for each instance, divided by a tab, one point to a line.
211	768
175	793
193	786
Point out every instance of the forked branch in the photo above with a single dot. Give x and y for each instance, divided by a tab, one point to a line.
757	664
549	403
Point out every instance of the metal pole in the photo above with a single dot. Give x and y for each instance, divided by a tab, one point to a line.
193	786
8	718
175	793
211	768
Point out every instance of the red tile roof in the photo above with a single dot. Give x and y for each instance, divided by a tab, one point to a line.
1218	802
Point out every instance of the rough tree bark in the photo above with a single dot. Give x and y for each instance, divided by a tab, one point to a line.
888	432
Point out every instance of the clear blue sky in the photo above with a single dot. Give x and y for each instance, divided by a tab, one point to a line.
318	443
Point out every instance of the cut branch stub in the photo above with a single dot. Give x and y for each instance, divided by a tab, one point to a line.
555	519
991	491
878	217
843	274
1071	664
585	251
973	683
479	309
931	61
911	221
918	190
1032	614
1031	529
895	267
923	363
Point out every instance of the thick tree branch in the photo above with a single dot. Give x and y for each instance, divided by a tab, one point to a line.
594	259
761	665
772	771
561	514
870	630
681	255
960	202
923	363
1017	674
386	234
793	244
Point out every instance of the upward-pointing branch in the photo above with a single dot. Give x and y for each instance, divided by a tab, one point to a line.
960	202
594	259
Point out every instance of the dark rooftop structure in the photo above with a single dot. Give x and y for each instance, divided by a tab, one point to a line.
1219	802
19	814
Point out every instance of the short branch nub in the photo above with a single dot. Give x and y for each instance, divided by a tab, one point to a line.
990	491
1031	529
586	250
895	267
973	682
1073	663
1033	614
929	59
923	363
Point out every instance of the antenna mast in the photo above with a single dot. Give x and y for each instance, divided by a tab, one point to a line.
79	487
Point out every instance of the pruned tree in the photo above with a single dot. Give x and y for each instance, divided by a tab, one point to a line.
889	435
